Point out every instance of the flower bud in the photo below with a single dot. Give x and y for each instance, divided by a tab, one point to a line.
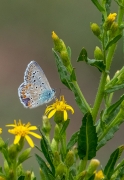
65	58
12	152
46	127
81	176
109	21
58	43
95	29
56	159
69	161
108	79
98	55
24	155
94	163
99	175
114	28
54	145
61	170
28	175
0	130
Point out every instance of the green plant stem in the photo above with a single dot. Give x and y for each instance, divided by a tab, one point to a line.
100	92
83	165
78	91
63	145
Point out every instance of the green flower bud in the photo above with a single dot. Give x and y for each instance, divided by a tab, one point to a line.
98	54
13	152
81	176
69	161
58	43
28	175
65	58
61	170
108	79
95	29
24	155
46	127
54	145
94	163
56	159
114	28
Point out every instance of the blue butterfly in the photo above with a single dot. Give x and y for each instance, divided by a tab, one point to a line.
35	90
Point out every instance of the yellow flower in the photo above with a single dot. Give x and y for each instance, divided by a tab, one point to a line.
59	105
23	130
0	130
111	17
109	21
99	175
54	36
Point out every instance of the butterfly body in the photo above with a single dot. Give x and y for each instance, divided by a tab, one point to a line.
35	90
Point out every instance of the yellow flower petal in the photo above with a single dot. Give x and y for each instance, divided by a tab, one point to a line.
70	108
65	115
48	109
30	142
51	113
35	135
17	139
11	125
0	130
32	128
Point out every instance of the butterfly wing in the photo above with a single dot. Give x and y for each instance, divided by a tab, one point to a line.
35	90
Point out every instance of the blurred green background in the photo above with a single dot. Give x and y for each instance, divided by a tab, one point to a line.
25	35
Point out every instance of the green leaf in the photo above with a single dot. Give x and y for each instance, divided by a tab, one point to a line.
114	88
63	73
99	64
109	168
87	138
21	178
48	174
113	41
69	52
108	5
73	75
109	114
92	177
46	149
98	5
73	140
64	127
82	56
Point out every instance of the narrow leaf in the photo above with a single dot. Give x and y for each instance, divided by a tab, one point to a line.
73	75
99	64
69	52
82	56
73	140
63	73
48	174
109	168
46	149
114	88
113	41
87	138
97	4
